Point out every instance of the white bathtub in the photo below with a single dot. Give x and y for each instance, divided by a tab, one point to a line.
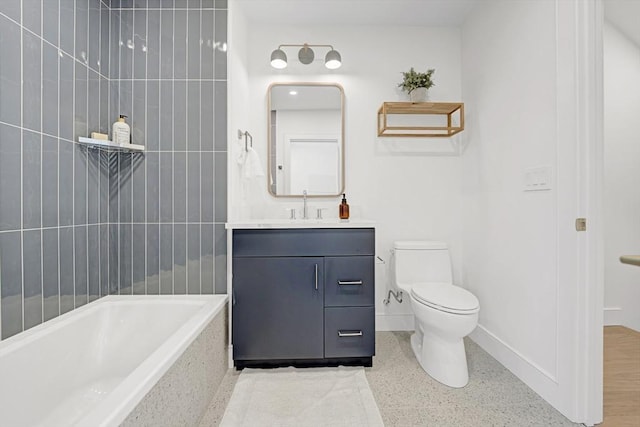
97	365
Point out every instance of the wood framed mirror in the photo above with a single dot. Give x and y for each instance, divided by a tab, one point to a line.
306	139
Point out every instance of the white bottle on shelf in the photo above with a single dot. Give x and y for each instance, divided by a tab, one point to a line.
121	131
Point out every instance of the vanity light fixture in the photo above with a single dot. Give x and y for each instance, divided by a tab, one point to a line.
332	60
278	59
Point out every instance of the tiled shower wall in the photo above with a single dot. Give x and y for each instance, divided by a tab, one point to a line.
167	211
76	223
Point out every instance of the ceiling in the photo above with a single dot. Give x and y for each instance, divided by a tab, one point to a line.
357	12
624	15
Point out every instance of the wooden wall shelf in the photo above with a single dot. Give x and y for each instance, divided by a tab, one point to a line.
451	110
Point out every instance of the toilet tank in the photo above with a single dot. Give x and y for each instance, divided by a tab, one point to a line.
421	261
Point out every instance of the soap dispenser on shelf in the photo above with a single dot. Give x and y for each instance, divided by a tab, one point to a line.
344	208
121	131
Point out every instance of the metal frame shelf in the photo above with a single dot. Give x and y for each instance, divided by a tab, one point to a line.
110	145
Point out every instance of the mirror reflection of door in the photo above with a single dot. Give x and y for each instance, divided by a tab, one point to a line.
311	163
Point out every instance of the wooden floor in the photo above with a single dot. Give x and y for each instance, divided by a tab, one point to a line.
621	377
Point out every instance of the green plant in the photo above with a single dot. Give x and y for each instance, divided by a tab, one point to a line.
413	80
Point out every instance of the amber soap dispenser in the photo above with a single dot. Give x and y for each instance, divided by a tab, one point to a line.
344	208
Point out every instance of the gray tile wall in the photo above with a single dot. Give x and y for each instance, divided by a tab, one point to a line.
77	223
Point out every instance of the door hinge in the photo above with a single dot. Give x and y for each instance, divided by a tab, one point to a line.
581	224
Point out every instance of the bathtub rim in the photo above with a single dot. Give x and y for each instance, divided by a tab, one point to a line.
127	394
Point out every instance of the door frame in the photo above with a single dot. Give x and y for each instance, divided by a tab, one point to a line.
581	337
595	367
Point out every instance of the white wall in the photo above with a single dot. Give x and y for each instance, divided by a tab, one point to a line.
410	194
509	237
530	84
621	177
237	101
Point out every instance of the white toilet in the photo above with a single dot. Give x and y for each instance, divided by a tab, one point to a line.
444	313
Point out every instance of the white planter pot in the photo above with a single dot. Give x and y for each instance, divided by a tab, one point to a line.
418	94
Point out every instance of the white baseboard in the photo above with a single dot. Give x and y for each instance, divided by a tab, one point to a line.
612	316
394	322
540	381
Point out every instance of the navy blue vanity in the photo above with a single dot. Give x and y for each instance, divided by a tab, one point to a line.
303	297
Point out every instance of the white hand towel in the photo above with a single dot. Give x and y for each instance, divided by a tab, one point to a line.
252	167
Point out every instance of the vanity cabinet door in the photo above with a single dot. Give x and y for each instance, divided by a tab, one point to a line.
349	281
278	305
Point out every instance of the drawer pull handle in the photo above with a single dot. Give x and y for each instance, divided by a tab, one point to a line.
349	334
316	277
350	282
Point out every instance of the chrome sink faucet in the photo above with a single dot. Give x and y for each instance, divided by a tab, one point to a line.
305	214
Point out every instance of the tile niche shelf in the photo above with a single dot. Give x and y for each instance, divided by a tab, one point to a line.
110	145
417	113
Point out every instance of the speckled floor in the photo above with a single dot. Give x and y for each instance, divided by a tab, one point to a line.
407	396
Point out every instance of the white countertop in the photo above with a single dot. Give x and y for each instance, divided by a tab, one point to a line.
299	223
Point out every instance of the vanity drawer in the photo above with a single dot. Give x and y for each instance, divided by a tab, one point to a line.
349	281
349	332
304	242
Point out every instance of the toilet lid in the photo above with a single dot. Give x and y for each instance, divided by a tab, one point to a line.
446	297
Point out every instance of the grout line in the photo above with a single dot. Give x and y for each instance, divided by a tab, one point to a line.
22	162
41	166
73	157
87	218
109	156
100	179
167	8
76	142
86	196
71	226
200	138
99	212
173	157
186	160
99	153
118	187
177	79
160	136
131	209
58	163
133	95
146	132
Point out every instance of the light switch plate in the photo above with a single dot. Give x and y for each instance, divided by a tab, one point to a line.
537	178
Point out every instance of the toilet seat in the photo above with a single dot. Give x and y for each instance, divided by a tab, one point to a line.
445	297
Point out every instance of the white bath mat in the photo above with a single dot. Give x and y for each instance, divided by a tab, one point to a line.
302	398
